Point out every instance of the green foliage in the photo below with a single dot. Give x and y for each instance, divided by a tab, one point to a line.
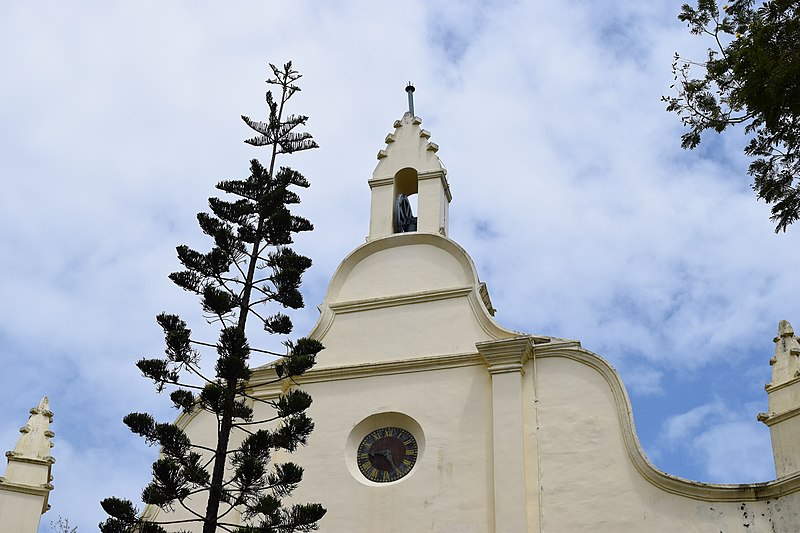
293	402
751	77
249	266
300	358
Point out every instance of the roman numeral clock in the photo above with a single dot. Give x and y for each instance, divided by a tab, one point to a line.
387	454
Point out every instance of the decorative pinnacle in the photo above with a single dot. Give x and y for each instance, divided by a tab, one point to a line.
34	443
410	90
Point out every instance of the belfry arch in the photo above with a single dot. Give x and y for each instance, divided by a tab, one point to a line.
405	201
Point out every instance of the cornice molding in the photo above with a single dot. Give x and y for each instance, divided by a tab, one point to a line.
263	380
38	490
771	418
769	387
353	306
43	461
378	182
506	355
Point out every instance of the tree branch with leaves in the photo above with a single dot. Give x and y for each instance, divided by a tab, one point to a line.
250	266
750	76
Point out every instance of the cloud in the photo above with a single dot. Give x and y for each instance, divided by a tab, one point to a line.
722	441
680	428
570	192
734	451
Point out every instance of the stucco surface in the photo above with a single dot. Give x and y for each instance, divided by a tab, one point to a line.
589	483
450	486
403	270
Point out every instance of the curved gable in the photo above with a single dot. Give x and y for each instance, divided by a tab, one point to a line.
405	263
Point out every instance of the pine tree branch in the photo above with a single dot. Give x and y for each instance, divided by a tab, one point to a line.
201	447
196	372
210	460
191	511
261	301
241	272
230	508
170	522
259	350
257	315
241	429
178	384
264	421
257	384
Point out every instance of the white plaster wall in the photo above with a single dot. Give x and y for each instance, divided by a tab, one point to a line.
401	332
27	473
401	264
589	483
785	441
381	210
784	397
449	489
403	270
405	296
19	512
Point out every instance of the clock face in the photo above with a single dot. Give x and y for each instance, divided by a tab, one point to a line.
387	454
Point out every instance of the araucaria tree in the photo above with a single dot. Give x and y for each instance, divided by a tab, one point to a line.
250	267
751	76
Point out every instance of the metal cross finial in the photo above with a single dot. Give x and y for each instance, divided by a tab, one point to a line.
410	91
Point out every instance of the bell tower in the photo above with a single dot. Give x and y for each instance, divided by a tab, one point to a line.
409	166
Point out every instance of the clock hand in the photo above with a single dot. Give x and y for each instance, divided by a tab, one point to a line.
386	454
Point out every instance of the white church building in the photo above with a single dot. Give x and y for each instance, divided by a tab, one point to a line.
432	417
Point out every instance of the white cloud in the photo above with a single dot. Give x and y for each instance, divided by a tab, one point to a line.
644	381
733	451
721	440
681	428
570	191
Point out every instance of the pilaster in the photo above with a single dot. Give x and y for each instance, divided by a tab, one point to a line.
505	360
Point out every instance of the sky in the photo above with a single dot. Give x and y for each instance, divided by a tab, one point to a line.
570	191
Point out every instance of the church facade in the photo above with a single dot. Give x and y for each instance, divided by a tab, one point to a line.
432	417
500	431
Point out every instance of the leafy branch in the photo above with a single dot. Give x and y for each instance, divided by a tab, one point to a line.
751	76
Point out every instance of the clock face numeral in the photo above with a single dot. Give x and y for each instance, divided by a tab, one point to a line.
387	454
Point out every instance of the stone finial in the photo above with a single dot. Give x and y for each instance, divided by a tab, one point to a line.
783	416
25	487
408	147
410	91
786	361
34	443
